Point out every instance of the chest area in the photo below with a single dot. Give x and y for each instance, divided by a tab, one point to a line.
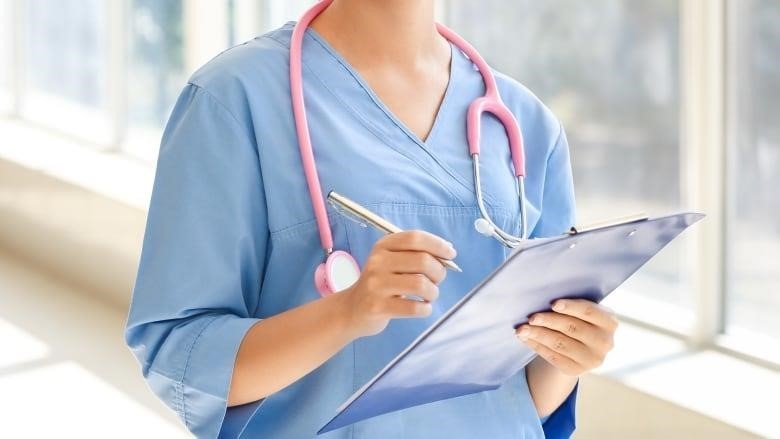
412	98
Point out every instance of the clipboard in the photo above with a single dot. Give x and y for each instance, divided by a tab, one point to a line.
473	347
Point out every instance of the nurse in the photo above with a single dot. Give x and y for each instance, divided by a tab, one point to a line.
226	321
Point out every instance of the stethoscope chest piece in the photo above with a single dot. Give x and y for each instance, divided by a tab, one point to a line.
339	272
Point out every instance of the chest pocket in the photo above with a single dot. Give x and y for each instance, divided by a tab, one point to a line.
477	256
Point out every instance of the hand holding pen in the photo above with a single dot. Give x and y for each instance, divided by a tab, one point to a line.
365	216
404	263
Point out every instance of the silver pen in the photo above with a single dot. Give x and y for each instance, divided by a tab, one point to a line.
352	208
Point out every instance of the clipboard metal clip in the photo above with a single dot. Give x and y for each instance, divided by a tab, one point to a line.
607	224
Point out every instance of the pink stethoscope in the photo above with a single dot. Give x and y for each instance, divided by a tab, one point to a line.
340	270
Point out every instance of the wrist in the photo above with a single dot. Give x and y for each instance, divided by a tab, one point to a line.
548	386
344	316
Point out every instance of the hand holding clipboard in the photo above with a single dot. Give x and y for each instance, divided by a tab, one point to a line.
585	264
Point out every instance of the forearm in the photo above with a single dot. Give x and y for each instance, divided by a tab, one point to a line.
280	350
549	387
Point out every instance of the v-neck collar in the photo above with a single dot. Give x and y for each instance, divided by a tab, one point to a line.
331	71
440	112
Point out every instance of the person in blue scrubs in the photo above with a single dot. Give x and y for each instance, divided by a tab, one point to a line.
226	321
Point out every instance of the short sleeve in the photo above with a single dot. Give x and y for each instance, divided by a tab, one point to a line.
202	260
557	204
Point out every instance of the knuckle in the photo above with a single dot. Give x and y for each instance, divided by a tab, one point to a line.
419	283
589	309
434	269
571	328
369	282
375	308
416	238
374	263
421	262
433	293
384	241
559	344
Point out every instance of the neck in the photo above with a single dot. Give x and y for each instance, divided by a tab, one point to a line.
382	31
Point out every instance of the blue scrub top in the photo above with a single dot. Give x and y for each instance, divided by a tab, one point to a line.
231	237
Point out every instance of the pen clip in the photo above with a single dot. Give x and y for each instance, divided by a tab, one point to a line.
347	214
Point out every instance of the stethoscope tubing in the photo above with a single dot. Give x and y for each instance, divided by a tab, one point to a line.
489	103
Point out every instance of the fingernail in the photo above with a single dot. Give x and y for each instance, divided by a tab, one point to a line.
524	332
536	320
454	252
559	306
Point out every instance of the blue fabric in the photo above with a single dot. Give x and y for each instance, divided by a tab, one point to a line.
231	237
560	424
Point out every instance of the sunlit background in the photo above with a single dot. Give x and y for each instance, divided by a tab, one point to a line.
669	105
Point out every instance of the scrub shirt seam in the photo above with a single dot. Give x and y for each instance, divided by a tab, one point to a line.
288	228
498	210
423	209
211	320
224	107
556	145
554	148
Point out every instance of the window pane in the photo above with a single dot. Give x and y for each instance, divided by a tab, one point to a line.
6	63
282	11
156	73
609	70
67	52
66	68
754	256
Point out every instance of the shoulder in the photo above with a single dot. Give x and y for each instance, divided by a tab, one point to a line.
534	116
245	71
255	59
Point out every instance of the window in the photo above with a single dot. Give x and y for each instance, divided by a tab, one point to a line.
6	54
753	288
66	71
156	71
609	70
280	12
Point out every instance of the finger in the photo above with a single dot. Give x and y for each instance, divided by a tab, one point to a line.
593	313
412	285
590	335
416	263
560	361
418	241
560	343
404	308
